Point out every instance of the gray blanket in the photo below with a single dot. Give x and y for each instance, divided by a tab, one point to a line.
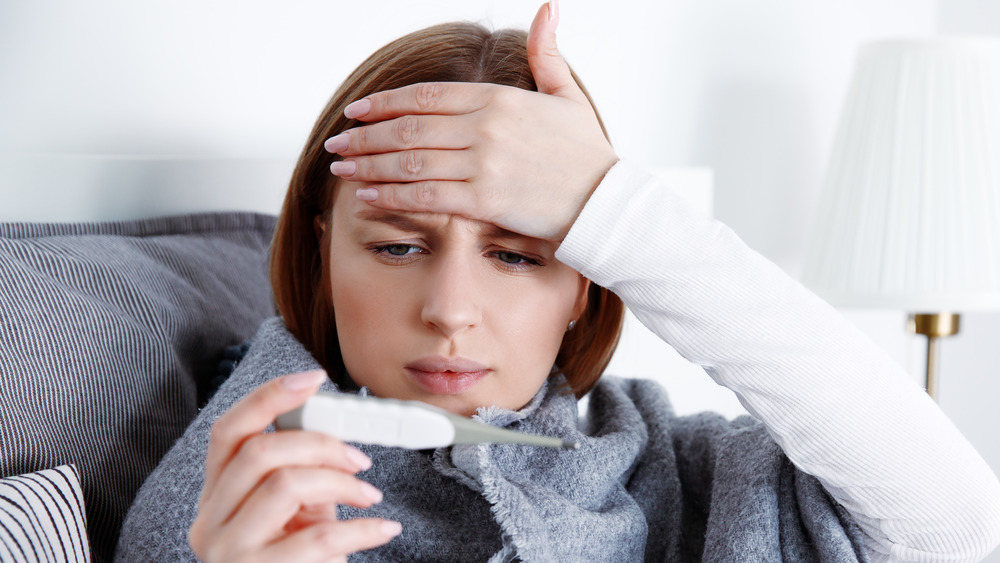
644	485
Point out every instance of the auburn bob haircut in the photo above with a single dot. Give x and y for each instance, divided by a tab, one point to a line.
454	52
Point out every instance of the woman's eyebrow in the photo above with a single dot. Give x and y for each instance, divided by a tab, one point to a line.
496	232
402	222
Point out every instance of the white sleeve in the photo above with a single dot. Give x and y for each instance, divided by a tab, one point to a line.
840	407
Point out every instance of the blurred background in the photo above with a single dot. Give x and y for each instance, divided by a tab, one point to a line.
751	91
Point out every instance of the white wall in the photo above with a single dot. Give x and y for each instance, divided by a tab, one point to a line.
750	89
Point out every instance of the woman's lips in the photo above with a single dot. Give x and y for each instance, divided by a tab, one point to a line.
446	376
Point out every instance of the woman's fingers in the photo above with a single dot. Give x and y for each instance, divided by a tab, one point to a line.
265	453
279	497
332	539
432	196
281	490
252	415
439	98
403	133
310	515
407	166
549	69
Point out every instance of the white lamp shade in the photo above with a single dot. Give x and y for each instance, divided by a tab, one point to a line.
909	217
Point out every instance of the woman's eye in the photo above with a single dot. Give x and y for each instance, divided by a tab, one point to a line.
396	251
400	249
515	261
511	258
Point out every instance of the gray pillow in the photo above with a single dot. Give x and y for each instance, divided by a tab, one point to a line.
109	332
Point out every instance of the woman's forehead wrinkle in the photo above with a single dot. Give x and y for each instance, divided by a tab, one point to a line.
446	225
423	221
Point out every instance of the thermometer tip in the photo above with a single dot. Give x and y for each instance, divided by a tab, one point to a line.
571	445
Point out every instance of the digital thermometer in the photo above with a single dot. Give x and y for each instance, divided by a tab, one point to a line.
405	424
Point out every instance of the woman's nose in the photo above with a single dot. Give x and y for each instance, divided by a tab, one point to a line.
452	298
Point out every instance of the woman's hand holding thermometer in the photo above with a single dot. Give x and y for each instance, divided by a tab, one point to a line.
404	424
273	496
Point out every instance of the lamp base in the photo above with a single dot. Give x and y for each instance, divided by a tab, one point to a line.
933	326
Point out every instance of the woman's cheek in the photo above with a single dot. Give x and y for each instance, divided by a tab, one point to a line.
368	317
535	320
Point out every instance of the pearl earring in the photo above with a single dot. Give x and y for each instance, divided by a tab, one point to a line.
572	325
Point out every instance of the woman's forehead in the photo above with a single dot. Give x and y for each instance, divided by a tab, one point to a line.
424	222
357	213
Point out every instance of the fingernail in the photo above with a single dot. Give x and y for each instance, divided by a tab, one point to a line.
344	167
337	143
358	458
367	194
358	108
553	9
371	492
391	528
305	380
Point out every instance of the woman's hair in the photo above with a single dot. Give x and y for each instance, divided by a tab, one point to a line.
454	52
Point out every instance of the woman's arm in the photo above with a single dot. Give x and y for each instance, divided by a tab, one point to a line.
840	408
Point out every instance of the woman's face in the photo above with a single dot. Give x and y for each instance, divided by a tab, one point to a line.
445	310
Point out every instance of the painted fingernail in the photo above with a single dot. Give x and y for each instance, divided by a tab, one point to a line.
344	168
358	108
391	528
367	194
358	457
336	144
304	380
371	493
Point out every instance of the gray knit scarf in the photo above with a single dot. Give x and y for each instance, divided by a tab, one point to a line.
644	485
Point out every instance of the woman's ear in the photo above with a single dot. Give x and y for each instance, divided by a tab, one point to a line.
320	226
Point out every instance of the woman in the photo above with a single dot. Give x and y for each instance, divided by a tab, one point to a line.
470	240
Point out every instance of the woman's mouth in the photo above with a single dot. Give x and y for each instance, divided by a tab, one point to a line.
446	376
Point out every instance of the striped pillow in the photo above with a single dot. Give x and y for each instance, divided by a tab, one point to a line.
42	518
109	336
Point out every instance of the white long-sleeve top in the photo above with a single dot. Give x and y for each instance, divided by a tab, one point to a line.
840	408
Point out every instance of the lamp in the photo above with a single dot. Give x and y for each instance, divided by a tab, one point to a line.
909	216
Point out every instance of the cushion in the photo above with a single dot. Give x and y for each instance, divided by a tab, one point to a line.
109	334
41	517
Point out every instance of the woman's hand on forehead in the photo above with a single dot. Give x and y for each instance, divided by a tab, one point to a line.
525	161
